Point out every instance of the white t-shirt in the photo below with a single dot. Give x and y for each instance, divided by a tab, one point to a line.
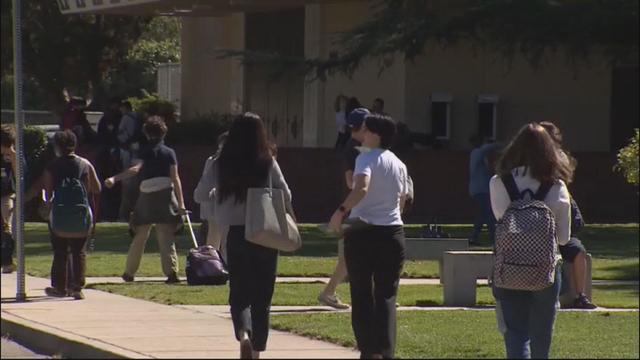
558	200
388	181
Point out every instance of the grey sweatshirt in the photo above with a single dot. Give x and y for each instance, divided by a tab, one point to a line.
230	213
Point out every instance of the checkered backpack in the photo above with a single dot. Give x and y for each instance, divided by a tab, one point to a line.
526	244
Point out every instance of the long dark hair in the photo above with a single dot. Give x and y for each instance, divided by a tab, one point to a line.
245	160
535	149
556	134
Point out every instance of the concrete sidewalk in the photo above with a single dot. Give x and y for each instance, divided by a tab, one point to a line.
107	325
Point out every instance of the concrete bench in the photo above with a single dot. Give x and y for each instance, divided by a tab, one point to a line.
432	248
460	271
569	292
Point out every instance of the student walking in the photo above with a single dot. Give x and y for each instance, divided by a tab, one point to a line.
341	121
532	205
574	251
160	201
7	171
207	204
374	246
70	182
479	177
246	161
354	125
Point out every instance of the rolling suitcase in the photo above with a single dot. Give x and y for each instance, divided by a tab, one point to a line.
204	263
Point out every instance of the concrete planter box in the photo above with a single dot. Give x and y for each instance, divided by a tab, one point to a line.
433	248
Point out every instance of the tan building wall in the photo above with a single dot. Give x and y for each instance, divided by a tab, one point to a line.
578	100
210	84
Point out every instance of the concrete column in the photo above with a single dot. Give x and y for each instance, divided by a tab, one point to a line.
210	84
314	43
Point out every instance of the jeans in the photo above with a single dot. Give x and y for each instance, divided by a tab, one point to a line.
526	319
375	257
252	276
484	215
60	277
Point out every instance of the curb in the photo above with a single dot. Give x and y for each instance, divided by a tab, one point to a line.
54	342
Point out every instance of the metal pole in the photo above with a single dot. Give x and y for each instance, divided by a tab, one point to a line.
21	294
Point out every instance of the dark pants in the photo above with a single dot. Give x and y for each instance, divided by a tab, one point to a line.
252	276
60	277
484	215
526	320
375	257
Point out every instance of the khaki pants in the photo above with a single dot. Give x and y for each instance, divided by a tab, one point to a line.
7	212
165	233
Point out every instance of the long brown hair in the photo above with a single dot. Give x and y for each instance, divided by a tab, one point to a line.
245	159
556	134
534	149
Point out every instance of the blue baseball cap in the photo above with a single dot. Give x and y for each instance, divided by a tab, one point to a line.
356	117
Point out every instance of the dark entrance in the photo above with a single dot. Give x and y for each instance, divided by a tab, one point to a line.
278	100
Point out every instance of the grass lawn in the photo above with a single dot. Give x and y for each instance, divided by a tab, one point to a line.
466	334
306	294
615	250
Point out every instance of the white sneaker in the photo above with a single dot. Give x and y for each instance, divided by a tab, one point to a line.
333	301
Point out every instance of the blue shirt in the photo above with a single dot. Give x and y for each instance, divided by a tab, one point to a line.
479	174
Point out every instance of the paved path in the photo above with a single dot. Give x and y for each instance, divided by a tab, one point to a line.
12	350
223	310
140	329
118	280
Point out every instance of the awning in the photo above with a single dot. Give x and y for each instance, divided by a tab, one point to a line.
176	7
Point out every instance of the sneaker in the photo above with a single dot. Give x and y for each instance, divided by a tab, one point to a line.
333	301
53	292
127	278
583	302
172	279
78	295
8	269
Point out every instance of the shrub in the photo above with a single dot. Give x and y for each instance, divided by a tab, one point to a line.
203	129
628	160
151	104
35	146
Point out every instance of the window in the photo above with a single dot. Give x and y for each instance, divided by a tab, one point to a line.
487	115
441	115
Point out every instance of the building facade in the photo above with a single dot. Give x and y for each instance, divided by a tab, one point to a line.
451	93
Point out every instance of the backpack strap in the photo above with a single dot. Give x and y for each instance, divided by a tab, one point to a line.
543	191
510	184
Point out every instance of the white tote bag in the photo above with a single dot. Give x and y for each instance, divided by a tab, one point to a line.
269	220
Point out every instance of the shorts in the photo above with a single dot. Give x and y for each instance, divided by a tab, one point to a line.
570	250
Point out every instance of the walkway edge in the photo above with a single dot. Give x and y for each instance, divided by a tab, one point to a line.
54	342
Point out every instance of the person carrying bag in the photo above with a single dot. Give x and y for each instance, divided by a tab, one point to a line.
252	198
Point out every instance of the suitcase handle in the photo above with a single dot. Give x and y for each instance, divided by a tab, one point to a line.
193	235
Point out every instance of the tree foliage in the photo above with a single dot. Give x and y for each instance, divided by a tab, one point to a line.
68	50
159	43
628	160
511	27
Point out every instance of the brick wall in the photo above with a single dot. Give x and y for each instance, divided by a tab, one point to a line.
441	180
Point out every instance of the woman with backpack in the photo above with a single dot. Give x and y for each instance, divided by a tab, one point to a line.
573	252
532	205
160	202
247	161
70	182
